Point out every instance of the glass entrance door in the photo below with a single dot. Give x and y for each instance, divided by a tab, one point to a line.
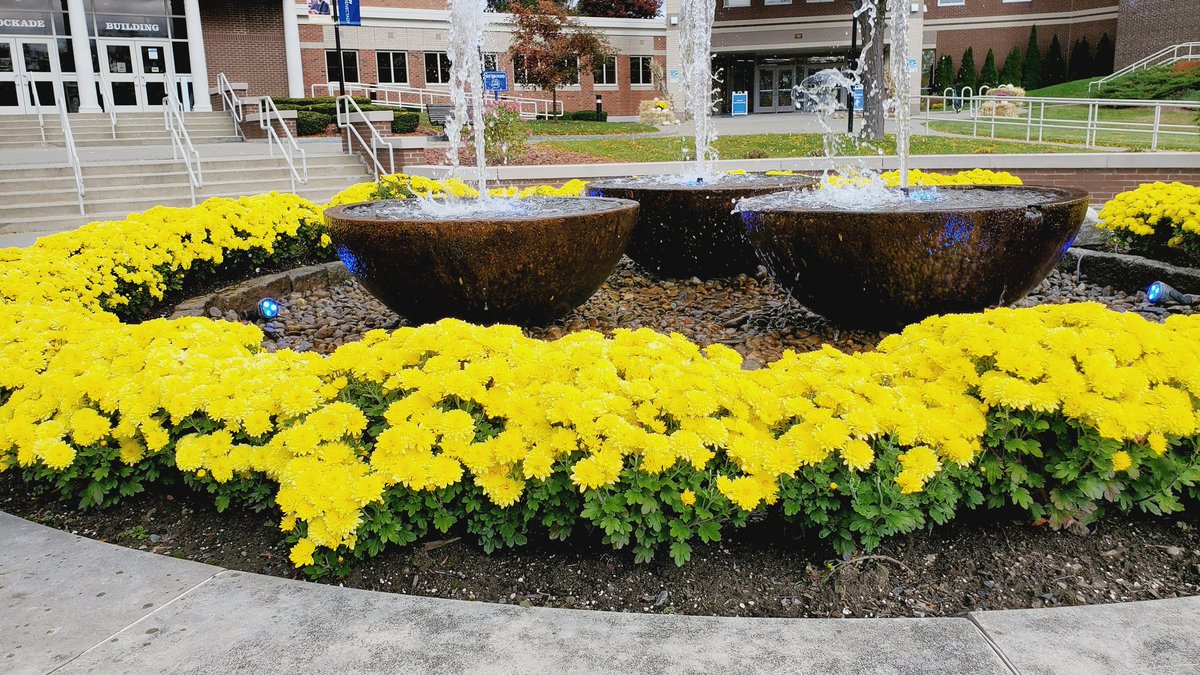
775	88
30	77
136	73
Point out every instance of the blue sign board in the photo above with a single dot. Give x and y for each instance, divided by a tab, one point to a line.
495	80
858	99
741	103
349	12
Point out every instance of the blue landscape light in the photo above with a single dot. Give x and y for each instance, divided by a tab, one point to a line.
1159	292
268	308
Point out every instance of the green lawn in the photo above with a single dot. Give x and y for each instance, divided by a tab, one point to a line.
1073	89
1077	114
790	145
581	128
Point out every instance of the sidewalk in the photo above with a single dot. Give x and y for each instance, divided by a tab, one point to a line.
72	605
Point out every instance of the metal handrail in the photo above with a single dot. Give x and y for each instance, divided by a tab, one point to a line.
416	98
181	142
231	102
72	154
37	105
268	116
1034	118
345	121
1162	57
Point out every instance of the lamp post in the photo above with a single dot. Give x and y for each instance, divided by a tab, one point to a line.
337	45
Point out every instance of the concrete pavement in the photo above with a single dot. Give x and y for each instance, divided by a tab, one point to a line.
72	605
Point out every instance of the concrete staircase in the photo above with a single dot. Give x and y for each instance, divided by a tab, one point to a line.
38	195
24	131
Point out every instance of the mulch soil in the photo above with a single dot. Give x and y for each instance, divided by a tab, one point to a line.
982	561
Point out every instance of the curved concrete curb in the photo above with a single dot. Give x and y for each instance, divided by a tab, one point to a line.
73	605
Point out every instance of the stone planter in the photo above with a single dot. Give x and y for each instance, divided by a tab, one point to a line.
692	230
524	268
887	268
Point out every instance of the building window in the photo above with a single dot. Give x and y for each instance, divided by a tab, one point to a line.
349	69
777	2
639	70
605	72
520	70
491	62
437	68
570	67
951	3
393	67
737	3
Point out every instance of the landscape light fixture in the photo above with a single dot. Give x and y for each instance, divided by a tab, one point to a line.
1159	292
268	308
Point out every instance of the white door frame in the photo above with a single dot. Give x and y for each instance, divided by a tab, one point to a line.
26	79
141	72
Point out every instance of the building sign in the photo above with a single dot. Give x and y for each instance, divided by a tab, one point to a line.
495	80
132	26
26	23
857	97
741	103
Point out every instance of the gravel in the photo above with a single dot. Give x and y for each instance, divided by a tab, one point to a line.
748	313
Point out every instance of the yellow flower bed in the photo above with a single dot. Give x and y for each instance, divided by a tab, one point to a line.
1155	215
647	437
919	177
454	187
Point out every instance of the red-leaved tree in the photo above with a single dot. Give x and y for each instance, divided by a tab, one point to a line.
549	47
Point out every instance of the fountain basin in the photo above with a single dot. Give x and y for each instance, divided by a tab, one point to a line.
689	229
526	261
888	265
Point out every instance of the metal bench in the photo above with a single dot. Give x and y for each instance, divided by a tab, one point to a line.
438	114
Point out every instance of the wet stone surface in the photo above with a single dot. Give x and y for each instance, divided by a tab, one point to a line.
750	314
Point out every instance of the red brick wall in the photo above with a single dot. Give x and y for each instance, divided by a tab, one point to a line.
1104	184
622	101
1146	26
1003	39
244	40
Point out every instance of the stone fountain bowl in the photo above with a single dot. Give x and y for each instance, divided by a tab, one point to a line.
980	247
527	267
689	229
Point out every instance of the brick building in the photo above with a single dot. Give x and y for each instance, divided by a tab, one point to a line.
1146	26
127	54
764	46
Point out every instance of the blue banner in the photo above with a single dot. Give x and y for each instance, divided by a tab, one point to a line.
349	12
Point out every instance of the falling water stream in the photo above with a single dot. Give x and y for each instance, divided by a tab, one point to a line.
467	21
695	45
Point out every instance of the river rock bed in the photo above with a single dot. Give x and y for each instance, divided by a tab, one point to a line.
751	314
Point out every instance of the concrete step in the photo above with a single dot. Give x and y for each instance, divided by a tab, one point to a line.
159	166
67	219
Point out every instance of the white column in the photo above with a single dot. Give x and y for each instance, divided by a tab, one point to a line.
77	15
291	49
671	10
191	10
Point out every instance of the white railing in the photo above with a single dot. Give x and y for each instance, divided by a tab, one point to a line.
415	98
347	109
37	105
231	102
1165	56
271	121
72	154
1087	126
181	142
